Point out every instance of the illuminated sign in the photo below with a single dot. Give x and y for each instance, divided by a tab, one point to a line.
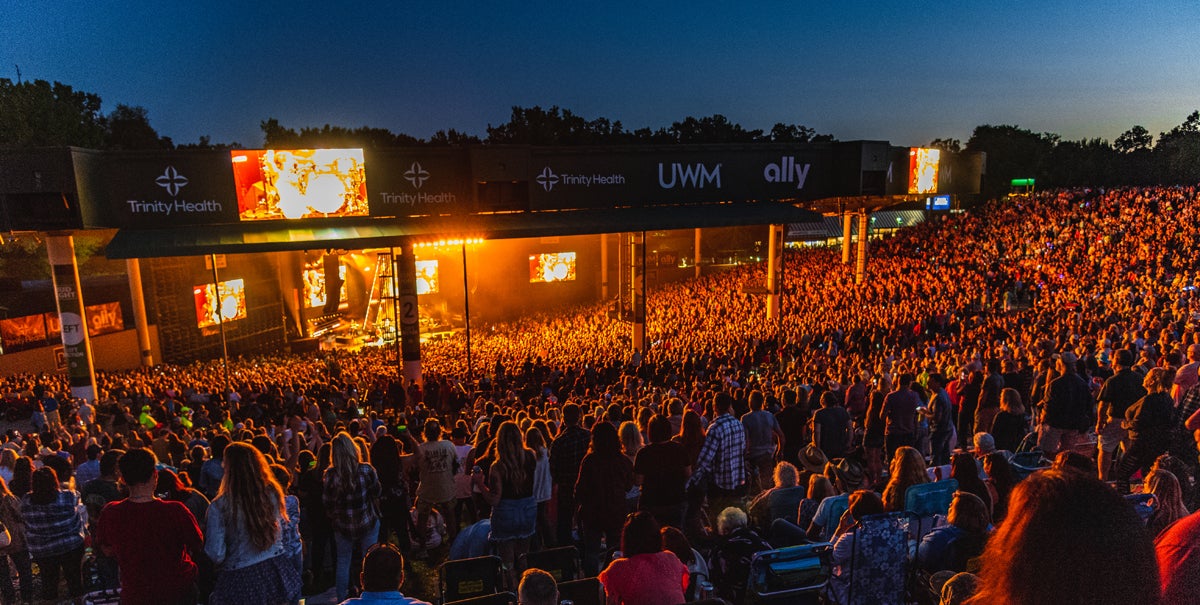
301	183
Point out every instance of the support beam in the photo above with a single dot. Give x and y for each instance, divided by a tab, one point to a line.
637	273
134	267
697	254
847	233
774	271
410	317
603	266
68	295
864	225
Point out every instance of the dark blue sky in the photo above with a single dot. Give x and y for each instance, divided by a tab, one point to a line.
905	72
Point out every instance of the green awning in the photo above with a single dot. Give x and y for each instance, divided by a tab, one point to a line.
359	233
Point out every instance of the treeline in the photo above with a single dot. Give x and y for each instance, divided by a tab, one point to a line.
43	114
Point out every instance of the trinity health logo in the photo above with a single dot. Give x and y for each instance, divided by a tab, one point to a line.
172	181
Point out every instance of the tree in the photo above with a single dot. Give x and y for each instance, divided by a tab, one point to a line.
128	127
947	145
712	129
1012	152
41	114
1134	139
1177	154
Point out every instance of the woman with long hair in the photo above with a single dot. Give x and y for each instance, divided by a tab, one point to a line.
907	469
54	533
645	574
509	490
1069	538
1001	480
394	503
16	551
543	487
22	476
244	533
1010	425
691	437
873	438
1168	500
605	476
1149	422
964	470
170	487
351	498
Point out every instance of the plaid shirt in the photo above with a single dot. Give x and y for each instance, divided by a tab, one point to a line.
353	508
55	528
1188	405
566	454
723	457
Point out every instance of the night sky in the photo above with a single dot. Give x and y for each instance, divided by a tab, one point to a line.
906	72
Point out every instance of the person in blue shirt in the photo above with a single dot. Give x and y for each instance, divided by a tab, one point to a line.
382	576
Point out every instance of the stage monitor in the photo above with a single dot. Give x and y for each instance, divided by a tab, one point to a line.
213	308
427	277
937	202
315	286
299	183
923	170
551	267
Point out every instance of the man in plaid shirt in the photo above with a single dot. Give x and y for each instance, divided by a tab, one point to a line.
566	455
722	460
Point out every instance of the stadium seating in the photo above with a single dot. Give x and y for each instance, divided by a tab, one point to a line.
466	578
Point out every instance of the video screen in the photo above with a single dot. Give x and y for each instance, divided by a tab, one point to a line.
938	202
228	305
551	267
299	183
427	277
314	284
923	170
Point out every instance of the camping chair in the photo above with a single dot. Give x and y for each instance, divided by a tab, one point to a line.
796	574
1026	463
926	501
1141	503
879	560
561	562
837	506
500	598
588	591
465	578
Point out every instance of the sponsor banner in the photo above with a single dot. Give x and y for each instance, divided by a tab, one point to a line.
410	319
104	318
169	190
408	182
24	331
74	335
53	325
598	180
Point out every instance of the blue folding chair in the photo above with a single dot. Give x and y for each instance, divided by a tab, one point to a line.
926	501
796	574
837	505
879	560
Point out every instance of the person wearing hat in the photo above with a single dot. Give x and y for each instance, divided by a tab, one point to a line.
1066	408
812	459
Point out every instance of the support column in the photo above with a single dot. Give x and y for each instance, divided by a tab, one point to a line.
847	232
603	266
637	273
697	254
864	225
68	295
774	271
410	317
134	267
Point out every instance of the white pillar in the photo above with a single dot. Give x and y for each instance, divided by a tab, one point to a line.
774	270
60	250
604	266
697	254
864	225
134	268
847	229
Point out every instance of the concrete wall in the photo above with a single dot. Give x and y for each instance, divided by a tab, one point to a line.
115	351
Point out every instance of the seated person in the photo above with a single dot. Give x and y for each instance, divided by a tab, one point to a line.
674	541
907	469
948	548
382	576
645	574
862	504
779	502
730	559
537	588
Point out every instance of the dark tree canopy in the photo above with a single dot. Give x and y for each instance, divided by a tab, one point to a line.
41	114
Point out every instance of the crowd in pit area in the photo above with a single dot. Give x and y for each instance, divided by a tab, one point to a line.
1063	322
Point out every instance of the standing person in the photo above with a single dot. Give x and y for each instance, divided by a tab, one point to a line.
437	461
394	505
566	456
941	420
154	541
722	463
1149	423
213	468
900	412
542	487
351	497
831	427
244	533
604	478
662	469
1010	426
1066	408
793	421
16	551
764	441
1188	375
989	396
54	533
509	490
1119	392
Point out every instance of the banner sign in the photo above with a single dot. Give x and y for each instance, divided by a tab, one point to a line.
161	190
408	182
29	330
104	318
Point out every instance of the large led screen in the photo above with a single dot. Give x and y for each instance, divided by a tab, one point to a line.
315	285
923	170
552	267
427	277
229	304
299	183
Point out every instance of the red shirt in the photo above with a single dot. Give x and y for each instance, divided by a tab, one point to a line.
152	542
651	579
1178	550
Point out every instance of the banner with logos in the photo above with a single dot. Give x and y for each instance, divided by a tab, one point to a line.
408	182
104	318
169	190
22	332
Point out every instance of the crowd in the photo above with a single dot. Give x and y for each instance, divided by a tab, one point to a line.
1062	322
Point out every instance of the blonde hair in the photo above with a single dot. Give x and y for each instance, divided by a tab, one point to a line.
786	475
631	438
346	457
511	453
254	497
